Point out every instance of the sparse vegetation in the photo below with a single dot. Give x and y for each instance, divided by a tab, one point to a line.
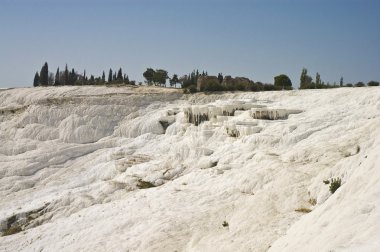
312	201
213	164
225	224
141	184
335	184
357	149
12	230
303	210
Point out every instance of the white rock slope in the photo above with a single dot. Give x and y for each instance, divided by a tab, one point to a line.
149	169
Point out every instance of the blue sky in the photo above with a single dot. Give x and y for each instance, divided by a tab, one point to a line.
257	39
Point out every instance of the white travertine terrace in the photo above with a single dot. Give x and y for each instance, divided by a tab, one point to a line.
126	169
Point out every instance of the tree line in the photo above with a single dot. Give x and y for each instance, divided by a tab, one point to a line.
71	77
189	81
307	82
160	77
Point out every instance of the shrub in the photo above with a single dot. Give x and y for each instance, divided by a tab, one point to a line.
257	86
268	87
192	89
349	85
230	87
225	224
373	83
240	87
213	87
335	184
359	84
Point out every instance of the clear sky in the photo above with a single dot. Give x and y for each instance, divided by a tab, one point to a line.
257	39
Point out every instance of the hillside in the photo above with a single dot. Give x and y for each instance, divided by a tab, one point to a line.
151	169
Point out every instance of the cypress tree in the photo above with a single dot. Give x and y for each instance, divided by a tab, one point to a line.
318	80
56	82
92	80
119	77
84	77
220	78
103	78
110	76
72	77
44	75
36	81
66	76
305	80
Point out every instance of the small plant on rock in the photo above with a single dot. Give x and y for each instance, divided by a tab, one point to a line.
312	201
144	184
335	184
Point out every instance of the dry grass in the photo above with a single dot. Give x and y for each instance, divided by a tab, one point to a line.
303	210
312	201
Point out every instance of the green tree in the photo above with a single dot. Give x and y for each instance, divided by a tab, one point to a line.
318	82
119	77
211	86
110	76
174	80
220	78
72	77
84	78
66	76
126	80
360	84
92	80
103	77
282	81
160	76
57	78
341	82
50	79
373	83
305	80
148	75
36	81
44	75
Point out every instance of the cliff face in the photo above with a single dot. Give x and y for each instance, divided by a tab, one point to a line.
151	169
